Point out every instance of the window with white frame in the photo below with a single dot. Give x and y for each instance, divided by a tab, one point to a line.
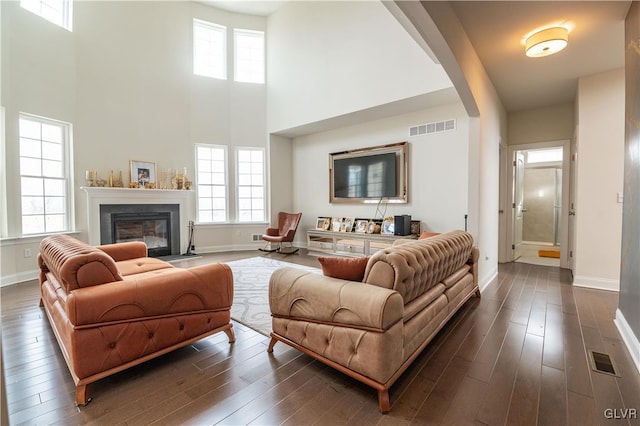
211	165
251	185
44	175
209	49
249	56
56	11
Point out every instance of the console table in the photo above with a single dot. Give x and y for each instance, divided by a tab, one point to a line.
350	243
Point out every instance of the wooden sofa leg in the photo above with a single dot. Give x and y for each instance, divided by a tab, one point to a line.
478	293
230	335
82	395
272	343
41	303
383	401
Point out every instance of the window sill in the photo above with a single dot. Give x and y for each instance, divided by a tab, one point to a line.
30	239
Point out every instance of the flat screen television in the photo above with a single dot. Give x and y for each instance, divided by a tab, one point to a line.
375	174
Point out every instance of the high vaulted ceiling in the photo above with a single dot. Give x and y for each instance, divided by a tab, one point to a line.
496	30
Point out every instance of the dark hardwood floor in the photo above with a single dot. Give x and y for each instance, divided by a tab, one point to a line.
518	355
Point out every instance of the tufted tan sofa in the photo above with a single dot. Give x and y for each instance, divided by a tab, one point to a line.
112	307
373	331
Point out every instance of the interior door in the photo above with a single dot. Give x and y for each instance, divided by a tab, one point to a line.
518	195
571	236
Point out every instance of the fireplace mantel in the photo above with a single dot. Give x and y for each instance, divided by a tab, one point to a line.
97	196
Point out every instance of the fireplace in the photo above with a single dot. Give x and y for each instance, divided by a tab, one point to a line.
157	225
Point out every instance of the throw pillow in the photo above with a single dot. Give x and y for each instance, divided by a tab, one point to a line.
344	268
426	234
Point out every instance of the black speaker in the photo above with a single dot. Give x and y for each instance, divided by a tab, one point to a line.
402	225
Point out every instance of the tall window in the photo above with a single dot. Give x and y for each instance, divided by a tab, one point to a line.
251	198
211	164
44	175
249	56
56	11
209	49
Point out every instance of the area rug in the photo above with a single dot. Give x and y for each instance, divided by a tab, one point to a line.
251	290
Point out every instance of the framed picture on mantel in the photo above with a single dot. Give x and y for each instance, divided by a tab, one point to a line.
144	173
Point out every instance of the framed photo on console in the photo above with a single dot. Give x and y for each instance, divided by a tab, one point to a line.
336	223
388	226
143	172
371	227
347	224
361	226
323	223
415	227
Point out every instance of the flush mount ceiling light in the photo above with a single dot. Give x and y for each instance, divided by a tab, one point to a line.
546	42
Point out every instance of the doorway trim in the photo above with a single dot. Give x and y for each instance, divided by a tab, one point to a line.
509	216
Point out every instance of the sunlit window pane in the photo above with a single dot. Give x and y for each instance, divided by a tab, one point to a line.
32	205
251	204
30	148
211	174
52	168
218	178
30	166
249	56
44	202
54	223
30	129
205	216
218	216
54	205
204	178
32	186
55	11
52	151
219	191
209	50
219	204
51	133
544	155
54	187
33	224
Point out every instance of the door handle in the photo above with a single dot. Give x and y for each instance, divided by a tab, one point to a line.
572	212
524	210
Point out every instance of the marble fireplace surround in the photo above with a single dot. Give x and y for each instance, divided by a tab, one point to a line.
98	196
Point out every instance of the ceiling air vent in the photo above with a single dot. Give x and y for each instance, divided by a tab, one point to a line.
436	127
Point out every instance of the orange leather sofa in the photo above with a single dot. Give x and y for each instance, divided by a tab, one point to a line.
111	307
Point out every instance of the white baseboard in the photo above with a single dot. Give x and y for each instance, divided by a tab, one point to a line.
596	283
482	284
7	280
629	338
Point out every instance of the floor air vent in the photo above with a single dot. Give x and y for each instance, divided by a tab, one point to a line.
602	363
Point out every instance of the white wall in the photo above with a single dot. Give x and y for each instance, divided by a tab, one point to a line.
328	59
280	176
124	79
439	25
438	170
599	176
551	123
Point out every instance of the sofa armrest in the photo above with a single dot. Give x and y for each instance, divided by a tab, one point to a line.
473	262
299	294
169	292
125	251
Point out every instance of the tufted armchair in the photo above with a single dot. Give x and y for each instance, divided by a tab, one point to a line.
373	330
111	307
284	233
